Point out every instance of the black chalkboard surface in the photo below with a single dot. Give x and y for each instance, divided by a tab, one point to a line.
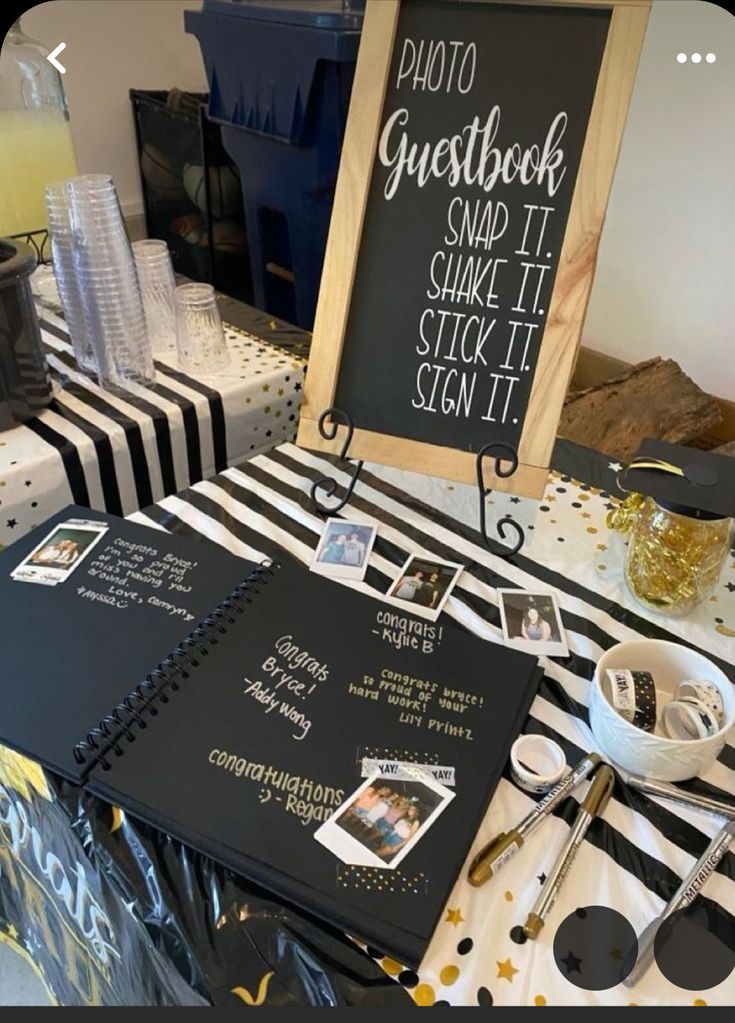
482	129
479	153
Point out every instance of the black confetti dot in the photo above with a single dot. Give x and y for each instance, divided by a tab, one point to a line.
441	1004
561	490
544	508
719	620
465	946
576	504
484	996
34	504
566	479
561	539
408	978
595	948
374	952
694	947
518	936
584	486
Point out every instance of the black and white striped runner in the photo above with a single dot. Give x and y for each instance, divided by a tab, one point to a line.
633	859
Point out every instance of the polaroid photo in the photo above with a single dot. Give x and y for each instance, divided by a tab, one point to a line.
423	585
60	553
344	549
381	822
532	622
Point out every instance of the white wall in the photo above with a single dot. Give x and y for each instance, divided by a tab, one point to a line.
112	46
666	274
665	282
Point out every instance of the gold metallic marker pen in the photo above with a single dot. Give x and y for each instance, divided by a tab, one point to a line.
505	845
592	806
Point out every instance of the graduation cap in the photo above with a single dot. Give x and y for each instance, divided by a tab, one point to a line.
699	484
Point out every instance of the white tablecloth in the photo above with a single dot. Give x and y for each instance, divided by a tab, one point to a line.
99	450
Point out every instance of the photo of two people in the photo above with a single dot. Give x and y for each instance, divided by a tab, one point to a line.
425	584
344	549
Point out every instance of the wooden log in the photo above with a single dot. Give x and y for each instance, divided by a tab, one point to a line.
652	399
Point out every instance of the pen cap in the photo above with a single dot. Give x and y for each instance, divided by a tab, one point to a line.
599	791
493	856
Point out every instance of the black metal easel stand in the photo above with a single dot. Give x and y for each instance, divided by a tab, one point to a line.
506	463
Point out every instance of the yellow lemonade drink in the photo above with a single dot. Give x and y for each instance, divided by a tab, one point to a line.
36	149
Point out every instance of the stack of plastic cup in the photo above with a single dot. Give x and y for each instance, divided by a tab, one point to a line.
107	281
157	286
57	207
200	339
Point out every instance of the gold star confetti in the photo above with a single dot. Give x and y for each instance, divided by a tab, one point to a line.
266	388
602	546
454	916
506	969
12	932
586	515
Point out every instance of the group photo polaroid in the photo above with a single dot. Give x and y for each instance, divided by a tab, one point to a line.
424	584
344	549
60	553
379	824
532	622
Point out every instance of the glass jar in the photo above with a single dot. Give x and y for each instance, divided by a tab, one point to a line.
675	555
34	128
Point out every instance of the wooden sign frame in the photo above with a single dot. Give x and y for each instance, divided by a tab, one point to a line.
574	274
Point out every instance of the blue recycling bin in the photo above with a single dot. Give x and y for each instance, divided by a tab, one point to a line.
280	75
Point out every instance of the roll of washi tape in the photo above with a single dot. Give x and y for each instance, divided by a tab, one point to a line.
706	692
536	763
633	695
689	718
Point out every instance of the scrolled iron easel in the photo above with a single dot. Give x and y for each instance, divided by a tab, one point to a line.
501	453
328	484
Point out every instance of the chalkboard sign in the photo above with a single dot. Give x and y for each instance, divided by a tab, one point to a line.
479	153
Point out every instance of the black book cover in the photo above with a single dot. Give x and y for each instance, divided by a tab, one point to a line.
73	651
263	735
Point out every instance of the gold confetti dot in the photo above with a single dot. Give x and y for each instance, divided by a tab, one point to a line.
591	529
509	896
602	568
699	1001
724	630
583	497
424	994
392	967
539	1000
449	975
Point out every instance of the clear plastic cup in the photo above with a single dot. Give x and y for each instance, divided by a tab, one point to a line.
157	287
108	283
57	207
200	339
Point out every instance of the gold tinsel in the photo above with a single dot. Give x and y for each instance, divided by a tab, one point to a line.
673	561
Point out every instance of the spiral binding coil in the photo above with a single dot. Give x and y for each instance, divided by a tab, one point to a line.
119	725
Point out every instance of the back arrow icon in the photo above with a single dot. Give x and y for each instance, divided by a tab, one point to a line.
53	55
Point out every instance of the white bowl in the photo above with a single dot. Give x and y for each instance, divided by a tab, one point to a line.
639	752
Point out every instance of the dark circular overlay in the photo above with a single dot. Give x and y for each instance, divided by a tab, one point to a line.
695	947
595	948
